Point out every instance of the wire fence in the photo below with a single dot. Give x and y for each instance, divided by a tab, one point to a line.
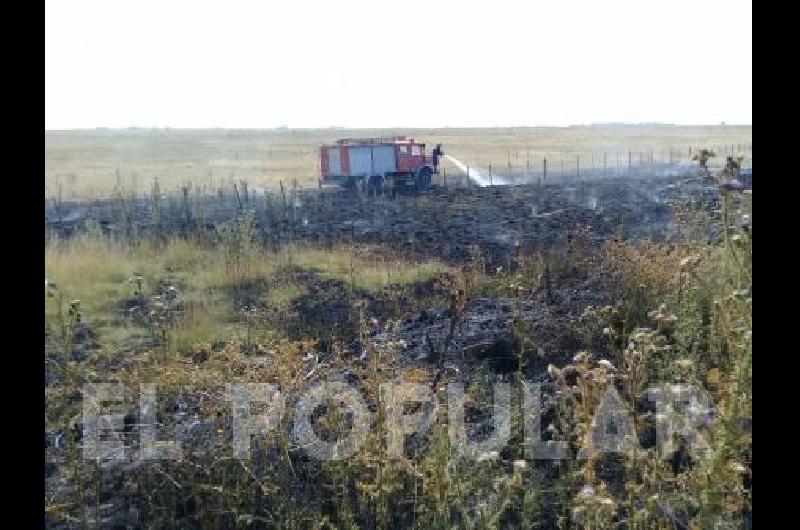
576	166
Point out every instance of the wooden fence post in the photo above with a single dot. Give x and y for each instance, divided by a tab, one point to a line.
544	172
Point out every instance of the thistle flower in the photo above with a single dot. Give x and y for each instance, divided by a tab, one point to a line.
606	364
684	364
75	310
737	468
553	372
586	492
580	357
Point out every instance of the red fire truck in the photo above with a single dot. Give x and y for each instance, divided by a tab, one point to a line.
374	163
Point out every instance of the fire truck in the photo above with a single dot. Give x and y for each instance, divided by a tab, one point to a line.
373	164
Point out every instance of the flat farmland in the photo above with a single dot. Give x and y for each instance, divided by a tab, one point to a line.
89	164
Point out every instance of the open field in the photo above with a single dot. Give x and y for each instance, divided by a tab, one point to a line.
95	163
580	286
268	308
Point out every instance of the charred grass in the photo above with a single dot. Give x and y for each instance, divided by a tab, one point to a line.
192	316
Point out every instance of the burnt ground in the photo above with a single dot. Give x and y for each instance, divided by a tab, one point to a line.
451	224
447	223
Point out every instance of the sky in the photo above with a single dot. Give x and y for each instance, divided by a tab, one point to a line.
400	63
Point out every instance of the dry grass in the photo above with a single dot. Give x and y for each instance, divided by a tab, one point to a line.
701	331
88	164
366	268
97	271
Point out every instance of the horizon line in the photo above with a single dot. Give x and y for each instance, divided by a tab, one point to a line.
342	127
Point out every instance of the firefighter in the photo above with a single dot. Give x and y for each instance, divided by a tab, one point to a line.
437	153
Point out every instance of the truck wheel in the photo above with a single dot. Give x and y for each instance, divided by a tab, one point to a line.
352	183
376	184
423	181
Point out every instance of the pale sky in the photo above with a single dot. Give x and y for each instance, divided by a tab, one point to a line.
402	63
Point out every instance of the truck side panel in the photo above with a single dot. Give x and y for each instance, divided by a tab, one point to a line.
360	161
335	162
383	159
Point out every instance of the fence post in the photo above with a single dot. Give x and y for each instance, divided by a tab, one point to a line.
528	160
630	161
444	176
510	176
578	166
469	184
604	163
544	172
